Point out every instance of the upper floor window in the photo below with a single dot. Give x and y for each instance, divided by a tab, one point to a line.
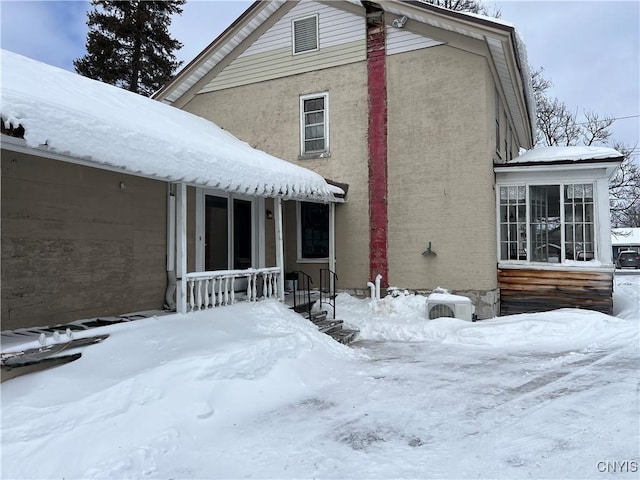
305	34
314	124
547	223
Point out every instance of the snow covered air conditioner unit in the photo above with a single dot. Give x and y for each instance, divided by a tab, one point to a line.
447	305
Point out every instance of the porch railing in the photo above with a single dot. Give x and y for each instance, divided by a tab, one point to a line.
219	288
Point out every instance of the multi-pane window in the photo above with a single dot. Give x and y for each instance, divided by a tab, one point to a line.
547	223
513	223
314	123
314	230
578	221
305	34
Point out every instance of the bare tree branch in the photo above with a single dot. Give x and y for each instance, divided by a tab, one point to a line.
557	126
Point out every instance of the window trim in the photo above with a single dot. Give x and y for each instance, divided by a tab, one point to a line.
293	34
300	258
318	153
561	186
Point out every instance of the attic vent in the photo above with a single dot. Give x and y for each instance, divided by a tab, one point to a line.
305	34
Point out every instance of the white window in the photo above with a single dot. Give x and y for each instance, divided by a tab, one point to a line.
313	231
314	124
547	223
305	34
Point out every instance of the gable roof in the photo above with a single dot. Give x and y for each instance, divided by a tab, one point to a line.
505	47
73	118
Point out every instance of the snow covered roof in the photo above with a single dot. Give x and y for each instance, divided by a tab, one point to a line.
107	127
566	154
625	236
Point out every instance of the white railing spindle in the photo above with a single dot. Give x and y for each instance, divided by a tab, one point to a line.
190	286
217	288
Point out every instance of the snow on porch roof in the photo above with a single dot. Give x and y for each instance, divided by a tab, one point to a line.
108	127
625	236
566	154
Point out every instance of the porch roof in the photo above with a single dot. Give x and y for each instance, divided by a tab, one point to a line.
557	159
78	119
625	236
571	154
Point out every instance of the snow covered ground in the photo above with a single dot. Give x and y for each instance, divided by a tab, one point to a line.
252	391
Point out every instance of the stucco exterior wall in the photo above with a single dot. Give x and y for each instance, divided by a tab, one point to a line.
440	142
267	115
76	245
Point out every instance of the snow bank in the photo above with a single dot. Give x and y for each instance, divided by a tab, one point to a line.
107	126
404	319
206	367
254	391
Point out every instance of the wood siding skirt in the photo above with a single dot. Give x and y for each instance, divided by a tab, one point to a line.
530	290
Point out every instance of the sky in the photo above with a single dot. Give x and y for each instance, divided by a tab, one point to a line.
590	50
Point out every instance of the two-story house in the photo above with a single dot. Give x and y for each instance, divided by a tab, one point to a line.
421	112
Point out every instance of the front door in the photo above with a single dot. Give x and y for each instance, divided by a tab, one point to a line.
228	233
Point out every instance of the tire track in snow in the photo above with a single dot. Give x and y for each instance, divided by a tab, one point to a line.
571	421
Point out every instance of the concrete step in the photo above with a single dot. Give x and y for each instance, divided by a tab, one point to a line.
329	326
317	317
345	335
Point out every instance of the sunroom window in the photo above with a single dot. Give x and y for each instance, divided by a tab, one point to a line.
547	223
513	223
578	222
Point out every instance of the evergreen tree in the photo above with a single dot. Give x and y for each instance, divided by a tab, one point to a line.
128	44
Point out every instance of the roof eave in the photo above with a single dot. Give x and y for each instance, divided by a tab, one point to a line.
609	164
194	64
18	145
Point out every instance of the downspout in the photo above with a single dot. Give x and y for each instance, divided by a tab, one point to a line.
377	132
170	294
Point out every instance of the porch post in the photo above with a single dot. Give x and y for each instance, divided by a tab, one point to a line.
332	242
181	250
277	206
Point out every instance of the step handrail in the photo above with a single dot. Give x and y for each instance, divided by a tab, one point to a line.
328	281
302	292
